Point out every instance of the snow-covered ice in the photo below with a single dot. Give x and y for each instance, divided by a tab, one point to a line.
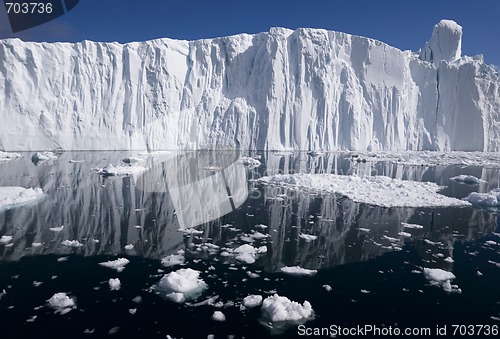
173	259
468	179
247	253
218	316
489	199
61	303
252	300
298	271
5	239
71	243
184	281
15	196
358	94
441	278
118	264
121	170
57	229
411	226
377	190
114	284
278	308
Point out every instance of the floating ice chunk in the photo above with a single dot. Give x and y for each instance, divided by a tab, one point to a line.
308	237
328	288
61	303
404	234
441	278
185	281
258	235
468	179
247	253
449	259
121	170
414	226
6	156
252	300
5	239
364	229
118	264
72	243
132	310
56	229
296	270
76	161
315	153
490	199
190	231
129	247
15	196
378	190
172	260
114	284
218	316
43	157
252	275
36	244
278	308
250	162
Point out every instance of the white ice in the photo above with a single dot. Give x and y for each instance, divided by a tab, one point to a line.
121	170
6	156
173	259
298	271
308	237
469	179
44	157
185	281
61	303
247	253
218	316
118	264
72	243
252	300
278	308
114	284
377	190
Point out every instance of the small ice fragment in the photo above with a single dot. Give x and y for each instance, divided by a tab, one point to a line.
252	300
72	243
328	288
278	308
218	316
132	310
114	284
298	271
129	247
5	239
308	237
56	229
36	244
61	303
118	264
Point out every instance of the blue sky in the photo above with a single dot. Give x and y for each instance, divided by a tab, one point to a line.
404	24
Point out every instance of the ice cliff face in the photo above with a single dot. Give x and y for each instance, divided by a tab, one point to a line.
303	89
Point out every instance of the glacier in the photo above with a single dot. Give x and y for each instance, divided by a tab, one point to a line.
308	89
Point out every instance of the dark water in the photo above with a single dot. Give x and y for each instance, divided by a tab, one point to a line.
375	280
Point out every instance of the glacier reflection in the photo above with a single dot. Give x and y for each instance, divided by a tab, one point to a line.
106	214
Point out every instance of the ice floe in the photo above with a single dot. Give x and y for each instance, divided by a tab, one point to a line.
182	284
468	179
173	259
5	239
72	243
431	158
57	229
61	303
218	316
252	300
298	271
11	197
277	309
442	278
247	253
114	284
250	162
489	199
111	170
118	264
377	190
411	226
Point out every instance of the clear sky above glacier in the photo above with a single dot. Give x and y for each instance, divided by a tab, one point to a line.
403	24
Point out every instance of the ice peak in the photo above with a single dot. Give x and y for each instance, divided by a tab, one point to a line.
445	43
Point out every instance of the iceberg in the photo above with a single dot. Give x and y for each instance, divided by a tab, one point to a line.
308	89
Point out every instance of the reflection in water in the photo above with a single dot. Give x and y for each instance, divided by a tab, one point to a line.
184	190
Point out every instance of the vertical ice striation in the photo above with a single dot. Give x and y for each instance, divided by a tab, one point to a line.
303	89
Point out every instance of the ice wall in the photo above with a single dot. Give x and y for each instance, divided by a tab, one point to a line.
303	89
